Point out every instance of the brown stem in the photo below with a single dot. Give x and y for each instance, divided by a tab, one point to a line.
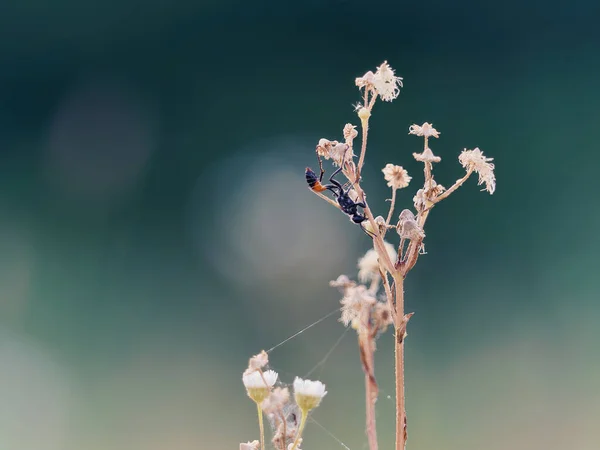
454	187
388	295
371	389
389	217
399	360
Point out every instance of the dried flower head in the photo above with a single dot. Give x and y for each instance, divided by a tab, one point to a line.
386	83
356	299
258	361
258	384
426	130
407	214
368	265
410	229
396	176
366	80
432	189
427	156
308	394
350	133
291	446
254	445
342	282
382	316
276	400
420	200
476	160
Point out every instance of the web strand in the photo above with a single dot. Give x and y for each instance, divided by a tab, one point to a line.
328	354
304	329
329	433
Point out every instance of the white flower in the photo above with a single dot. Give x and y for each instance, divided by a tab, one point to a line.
254	379
386	83
308	394
427	156
254	445
424	130
476	160
396	176
368	265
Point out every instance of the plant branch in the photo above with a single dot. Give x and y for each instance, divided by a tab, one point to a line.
367	358
389	217
454	187
399	364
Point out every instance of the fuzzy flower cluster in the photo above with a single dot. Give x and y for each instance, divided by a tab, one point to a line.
275	403
336	151
361	309
475	160
384	82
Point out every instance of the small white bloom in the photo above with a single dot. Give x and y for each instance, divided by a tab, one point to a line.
427	156
396	176
476	160
254	445
426	130
368	265
308	394
254	379
386	83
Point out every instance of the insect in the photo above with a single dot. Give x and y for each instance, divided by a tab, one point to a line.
347	205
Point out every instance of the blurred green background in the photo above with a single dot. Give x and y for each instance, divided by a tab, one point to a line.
156	229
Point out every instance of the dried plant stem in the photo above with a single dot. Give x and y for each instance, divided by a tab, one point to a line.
261	426
399	363
389	217
454	187
300	429
371	392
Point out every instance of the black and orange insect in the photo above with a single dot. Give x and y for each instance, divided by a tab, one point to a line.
347	205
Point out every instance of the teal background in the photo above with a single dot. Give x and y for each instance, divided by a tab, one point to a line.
156	231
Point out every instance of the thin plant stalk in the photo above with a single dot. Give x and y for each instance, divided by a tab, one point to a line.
300	429
261	426
399	365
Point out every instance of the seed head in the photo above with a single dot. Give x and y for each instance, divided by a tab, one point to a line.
254	445
426	130
368	265
427	156
386	83
350	133
259	361
355	300
366	80
308	394
476	160
396	176
276	400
